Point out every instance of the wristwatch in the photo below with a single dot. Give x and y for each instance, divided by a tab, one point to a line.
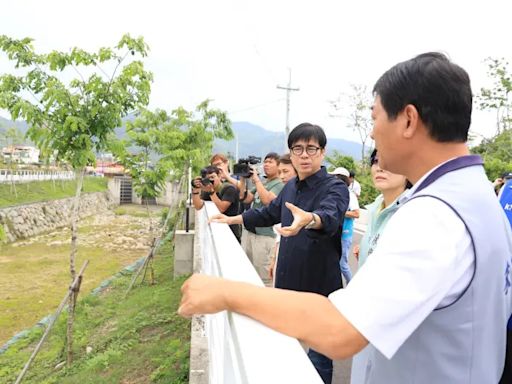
312	223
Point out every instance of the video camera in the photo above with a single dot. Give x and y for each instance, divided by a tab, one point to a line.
243	167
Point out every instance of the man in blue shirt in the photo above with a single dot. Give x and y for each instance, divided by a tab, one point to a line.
310	249
505	197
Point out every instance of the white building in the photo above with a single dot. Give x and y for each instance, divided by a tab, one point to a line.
21	154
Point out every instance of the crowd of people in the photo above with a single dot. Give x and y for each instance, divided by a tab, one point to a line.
432	295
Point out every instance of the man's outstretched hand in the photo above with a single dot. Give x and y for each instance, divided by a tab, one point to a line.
301	218
220	218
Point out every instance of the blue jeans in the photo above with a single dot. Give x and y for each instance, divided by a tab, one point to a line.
345	249
322	364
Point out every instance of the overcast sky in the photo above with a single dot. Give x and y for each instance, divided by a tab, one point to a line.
237	52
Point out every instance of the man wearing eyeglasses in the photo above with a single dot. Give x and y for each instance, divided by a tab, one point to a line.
311	211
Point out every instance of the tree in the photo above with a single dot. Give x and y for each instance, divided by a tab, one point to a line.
12	136
144	137
159	145
496	153
171	140
358	112
199	129
499	97
339	160
73	118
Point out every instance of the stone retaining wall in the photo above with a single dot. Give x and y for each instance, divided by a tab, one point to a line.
24	221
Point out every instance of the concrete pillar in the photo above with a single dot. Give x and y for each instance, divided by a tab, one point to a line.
198	352
183	252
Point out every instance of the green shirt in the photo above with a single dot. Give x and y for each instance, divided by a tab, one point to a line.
275	186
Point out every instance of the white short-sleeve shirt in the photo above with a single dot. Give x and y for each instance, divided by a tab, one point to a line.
424	259
353	203
355	187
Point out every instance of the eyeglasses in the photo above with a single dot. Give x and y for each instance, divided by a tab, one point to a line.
311	150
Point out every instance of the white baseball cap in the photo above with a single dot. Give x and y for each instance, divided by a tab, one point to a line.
340	171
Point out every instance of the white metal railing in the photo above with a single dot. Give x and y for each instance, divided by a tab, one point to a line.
23	175
242	350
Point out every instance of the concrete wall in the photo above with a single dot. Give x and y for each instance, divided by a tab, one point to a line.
32	219
168	194
183	252
114	187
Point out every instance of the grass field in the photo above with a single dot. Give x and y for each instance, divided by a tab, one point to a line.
135	340
46	190
34	273
139	339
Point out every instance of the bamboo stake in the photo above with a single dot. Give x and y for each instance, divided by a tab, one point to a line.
50	324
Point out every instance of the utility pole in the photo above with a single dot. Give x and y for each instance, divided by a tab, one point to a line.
288	90
236	147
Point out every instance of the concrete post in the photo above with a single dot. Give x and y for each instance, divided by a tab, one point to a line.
183	252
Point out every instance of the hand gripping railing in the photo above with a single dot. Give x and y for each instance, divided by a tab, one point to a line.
242	350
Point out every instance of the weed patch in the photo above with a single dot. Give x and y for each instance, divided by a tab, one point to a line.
37	191
140	339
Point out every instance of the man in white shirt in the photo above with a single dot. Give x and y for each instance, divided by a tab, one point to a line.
354	185
428	312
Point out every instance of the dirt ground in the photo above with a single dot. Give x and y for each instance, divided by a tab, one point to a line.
34	273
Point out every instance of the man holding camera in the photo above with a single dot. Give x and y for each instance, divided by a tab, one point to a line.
258	243
209	187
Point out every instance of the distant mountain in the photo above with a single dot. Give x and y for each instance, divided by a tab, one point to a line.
252	140
257	141
6	124
23	126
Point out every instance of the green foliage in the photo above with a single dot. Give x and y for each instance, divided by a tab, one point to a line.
48	190
499	97
201	127
144	133
368	190
339	160
363	176
2	234
497	154
11	136
163	215
176	139
74	119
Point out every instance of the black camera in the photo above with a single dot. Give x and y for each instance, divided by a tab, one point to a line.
205	180
243	167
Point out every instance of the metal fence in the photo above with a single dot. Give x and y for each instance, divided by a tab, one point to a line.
21	176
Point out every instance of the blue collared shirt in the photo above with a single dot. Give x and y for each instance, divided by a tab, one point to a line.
308	261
